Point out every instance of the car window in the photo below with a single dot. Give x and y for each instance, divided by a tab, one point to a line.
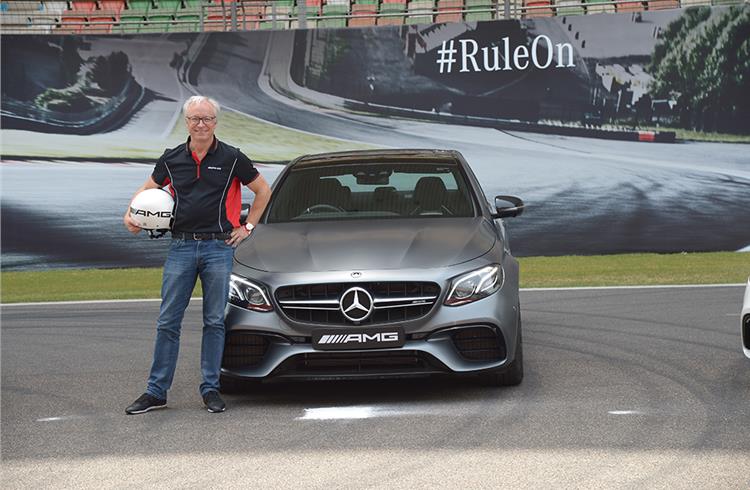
372	191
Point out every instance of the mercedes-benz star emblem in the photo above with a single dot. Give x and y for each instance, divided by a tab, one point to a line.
356	275
356	304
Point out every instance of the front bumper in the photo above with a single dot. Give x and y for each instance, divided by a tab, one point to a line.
273	345
474	345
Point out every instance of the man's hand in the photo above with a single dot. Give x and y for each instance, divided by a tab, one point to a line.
130	224
238	234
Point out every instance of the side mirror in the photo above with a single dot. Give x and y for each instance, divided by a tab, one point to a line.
244	212
508	211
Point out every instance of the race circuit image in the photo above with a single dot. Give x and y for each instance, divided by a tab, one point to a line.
584	195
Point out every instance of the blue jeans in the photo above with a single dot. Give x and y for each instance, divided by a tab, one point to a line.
211	260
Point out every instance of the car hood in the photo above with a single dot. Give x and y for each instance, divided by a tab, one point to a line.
366	245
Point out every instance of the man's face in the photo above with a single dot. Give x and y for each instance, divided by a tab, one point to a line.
201	122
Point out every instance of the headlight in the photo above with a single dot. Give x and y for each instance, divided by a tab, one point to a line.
246	294
475	285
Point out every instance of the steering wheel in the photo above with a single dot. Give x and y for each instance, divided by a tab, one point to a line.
322	208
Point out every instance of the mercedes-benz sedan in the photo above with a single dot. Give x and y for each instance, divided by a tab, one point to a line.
745	321
384	263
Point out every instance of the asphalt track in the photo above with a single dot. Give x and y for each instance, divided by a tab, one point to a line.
624	388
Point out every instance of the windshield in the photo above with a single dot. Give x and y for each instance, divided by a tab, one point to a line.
372	191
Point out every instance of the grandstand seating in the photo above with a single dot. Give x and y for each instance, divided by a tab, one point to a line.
135	16
71	24
83	7
631	6
334	13
663	4
363	13
98	25
113	8
130	24
479	9
420	11
599	6
187	22
539	8
139	5
449	11
392	12
569	7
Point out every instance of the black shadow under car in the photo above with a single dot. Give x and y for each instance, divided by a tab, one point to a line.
372	264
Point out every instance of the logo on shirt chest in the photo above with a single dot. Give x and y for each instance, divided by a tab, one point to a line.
213	168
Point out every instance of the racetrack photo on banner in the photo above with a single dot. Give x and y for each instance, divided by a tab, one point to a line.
589	119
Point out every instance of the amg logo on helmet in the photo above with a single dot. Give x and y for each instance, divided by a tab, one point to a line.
359	338
144	212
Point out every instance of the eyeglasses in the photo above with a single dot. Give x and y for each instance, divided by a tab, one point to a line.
207	120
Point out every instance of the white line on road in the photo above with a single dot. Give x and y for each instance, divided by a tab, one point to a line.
55	419
355	412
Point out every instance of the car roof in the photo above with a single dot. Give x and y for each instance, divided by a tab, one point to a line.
417	156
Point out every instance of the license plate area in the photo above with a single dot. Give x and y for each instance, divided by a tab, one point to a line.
360	338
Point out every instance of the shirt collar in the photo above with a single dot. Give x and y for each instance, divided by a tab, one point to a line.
211	149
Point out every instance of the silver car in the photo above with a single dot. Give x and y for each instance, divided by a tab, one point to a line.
372	264
745	321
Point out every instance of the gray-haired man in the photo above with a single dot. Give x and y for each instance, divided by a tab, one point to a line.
205	177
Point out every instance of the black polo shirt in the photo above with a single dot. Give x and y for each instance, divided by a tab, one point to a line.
208	192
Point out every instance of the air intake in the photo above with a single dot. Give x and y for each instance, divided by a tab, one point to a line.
479	344
244	350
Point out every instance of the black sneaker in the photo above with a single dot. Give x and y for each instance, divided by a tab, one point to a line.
213	402
144	403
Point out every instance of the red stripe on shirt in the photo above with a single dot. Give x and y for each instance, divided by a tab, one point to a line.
234	202
198	165
169	187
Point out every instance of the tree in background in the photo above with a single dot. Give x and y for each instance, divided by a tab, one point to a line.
703	62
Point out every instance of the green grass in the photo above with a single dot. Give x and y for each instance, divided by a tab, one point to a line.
635	269
81	284
571	271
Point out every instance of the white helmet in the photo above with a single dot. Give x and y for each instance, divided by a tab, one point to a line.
152	209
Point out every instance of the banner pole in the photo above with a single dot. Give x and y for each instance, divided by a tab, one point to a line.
302	14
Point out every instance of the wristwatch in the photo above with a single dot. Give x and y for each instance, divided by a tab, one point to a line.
249	227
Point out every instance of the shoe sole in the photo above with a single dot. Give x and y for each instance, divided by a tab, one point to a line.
216	411
136	412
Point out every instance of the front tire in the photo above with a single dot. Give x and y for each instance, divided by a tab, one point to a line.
511	375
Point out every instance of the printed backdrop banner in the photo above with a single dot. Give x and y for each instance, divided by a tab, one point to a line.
576	115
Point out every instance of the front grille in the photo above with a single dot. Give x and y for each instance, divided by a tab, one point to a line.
392	302
479	344
244	350
354	363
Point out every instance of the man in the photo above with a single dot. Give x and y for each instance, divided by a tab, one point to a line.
205	176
